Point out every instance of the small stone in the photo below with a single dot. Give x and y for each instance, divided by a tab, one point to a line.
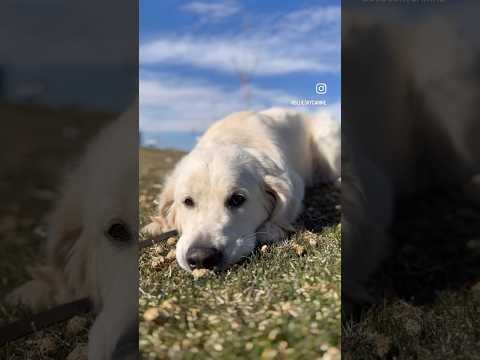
218	347
382	345
186	343
286	306
75	325
168	305
157	262
171	255
151	314
79	353
413	327
249	346
269	353
312	242
264	249
200	273
332	354
299	249
272	335
171	241
47	345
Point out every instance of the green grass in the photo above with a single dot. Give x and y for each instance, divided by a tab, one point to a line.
282	303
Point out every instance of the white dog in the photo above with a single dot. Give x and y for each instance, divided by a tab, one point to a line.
92	242
244	182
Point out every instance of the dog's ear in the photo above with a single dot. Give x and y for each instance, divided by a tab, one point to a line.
166	218
65	226
287	195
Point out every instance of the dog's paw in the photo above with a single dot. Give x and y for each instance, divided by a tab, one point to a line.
34	294
46	289
270	233
156	227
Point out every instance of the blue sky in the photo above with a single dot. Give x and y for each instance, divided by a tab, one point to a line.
200	60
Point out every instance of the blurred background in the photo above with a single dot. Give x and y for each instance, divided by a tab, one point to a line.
202	60
66	71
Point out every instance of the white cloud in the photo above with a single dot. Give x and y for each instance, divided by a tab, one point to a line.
171	103
212	11
306	20
307	40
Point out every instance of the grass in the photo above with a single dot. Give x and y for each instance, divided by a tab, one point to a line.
282	303
430	287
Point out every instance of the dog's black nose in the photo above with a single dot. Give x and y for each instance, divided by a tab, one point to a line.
203	257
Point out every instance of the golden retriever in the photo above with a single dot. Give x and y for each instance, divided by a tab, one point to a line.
91	248
244	183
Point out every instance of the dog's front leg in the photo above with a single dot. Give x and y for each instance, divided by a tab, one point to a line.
270	233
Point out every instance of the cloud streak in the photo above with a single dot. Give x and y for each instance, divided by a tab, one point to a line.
306	40
172	103
211	11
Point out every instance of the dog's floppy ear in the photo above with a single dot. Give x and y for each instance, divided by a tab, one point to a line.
287	192
166	218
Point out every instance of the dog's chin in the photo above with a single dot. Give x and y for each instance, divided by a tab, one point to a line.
238	252
182	262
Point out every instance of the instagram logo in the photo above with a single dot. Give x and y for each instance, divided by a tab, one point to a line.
321	88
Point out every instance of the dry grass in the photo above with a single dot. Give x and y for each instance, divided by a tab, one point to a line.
430	287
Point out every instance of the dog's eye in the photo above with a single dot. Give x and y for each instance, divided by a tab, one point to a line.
188	202
236	200
118	231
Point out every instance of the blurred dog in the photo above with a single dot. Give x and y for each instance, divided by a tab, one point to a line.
244	183
411	123
92	243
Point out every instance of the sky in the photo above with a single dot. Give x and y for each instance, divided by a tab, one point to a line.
201	60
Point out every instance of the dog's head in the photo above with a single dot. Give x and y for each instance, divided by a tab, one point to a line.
218	198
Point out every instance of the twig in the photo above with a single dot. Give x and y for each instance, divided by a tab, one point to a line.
21	328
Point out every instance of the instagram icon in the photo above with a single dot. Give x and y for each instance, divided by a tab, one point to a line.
321	88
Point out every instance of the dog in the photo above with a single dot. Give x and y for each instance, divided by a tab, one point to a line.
92	242
244	182
410	118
